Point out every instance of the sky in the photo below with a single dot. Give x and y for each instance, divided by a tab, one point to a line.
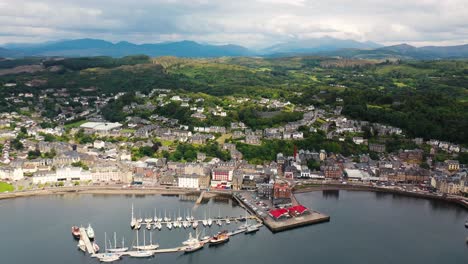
251	23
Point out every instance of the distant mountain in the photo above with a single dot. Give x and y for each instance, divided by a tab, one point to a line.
429	52
6	53
315	45
96	47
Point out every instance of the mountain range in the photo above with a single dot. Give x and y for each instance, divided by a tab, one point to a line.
325	46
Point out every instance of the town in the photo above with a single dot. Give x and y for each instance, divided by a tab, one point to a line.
79	147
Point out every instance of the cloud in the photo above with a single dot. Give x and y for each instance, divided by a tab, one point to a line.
254	23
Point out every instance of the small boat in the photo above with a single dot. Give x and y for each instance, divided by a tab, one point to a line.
195	224
252	229
90	232
81	245
109	257
76	232
96	247
221	237
228	221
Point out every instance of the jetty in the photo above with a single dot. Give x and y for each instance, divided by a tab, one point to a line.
87	241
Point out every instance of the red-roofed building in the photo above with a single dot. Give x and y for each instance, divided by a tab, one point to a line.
298	210
279	213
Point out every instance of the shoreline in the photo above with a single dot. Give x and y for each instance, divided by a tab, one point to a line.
332	187
119	190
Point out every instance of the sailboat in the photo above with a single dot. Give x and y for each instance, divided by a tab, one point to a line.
195	224
155	216
179	218
158	225
133	220
188	218
148	226
219	222
140	220
151	246
205	222
140	253
210	221
148	220
117	249
137	225
109	257
169	225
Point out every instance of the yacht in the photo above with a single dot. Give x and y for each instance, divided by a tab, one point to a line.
90	232
140	253
116	249
252	229
109	257
133	221
145	247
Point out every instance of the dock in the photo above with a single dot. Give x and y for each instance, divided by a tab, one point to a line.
85	238
200	198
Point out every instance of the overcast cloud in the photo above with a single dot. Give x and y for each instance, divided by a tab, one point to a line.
252	23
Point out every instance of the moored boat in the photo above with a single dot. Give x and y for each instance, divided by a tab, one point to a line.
96	247
76	232
195	224
109	257
193	247
466	224
221	237
116	249
90	232
252	229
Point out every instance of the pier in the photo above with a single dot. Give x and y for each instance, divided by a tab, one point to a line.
85	238
200	198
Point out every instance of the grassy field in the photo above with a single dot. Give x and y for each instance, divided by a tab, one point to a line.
5	187
75	124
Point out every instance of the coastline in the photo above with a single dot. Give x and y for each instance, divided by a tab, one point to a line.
429	196
119	190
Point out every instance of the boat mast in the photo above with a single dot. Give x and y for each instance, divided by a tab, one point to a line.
105	241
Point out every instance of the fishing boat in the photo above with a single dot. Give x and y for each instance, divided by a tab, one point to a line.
81	245
151	246
90	232
96	247
220	238
109	257
252	229
190	240
195	224
193	247
116	249
133	221
76	232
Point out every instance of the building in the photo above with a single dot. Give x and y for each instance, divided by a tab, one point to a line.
265	190
221	178
452	165
188	181
332	172
281	194
100	127
12	174
379	148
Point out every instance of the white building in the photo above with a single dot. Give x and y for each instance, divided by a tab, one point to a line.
62	174
188	181
13	174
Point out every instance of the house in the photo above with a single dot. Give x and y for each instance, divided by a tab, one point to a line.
452	165
252	140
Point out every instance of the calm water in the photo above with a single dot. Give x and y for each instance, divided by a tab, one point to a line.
365	228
